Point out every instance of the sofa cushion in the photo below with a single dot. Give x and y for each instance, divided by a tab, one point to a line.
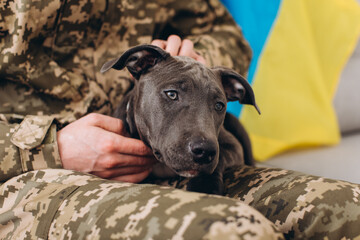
339	162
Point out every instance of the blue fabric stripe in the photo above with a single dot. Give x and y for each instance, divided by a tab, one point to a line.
256	18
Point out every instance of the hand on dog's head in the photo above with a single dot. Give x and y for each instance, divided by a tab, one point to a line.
177	106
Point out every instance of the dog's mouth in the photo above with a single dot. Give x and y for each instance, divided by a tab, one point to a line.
188	173
184	173
184	170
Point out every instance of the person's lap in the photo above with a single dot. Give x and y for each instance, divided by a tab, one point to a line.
301	206
61	204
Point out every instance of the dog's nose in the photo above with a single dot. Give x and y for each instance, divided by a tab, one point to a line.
203	151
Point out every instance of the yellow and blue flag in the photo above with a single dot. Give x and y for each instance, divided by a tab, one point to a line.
300	48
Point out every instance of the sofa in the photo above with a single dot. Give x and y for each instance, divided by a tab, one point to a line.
341	161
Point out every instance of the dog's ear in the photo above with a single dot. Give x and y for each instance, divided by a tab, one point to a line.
137	59
236	87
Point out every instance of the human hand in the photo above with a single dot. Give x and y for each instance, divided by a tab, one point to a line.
98	144
177	47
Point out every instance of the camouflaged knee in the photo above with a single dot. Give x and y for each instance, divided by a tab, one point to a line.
301	206
62	204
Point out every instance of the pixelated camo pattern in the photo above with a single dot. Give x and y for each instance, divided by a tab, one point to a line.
83	206
301	206
28	146
61	204
51	53
56	48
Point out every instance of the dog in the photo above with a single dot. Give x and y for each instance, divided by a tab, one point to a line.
177	107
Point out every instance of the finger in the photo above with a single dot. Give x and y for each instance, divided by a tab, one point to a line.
108	123
123	145
159	43
187	48
135	178
173	45
200	58
116	160
118	172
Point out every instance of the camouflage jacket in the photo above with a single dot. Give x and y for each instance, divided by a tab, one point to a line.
51	53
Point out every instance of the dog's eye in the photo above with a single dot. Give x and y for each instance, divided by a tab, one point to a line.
219	106
173	95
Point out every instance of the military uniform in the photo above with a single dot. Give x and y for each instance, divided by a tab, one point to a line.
51	54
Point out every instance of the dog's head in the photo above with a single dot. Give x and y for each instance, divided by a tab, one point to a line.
178	105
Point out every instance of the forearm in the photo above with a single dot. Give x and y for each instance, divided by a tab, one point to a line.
26	41
30	145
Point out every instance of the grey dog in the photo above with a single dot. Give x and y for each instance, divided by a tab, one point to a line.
177	106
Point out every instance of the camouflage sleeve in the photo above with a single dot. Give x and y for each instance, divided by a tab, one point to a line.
214	33
24	26
28	146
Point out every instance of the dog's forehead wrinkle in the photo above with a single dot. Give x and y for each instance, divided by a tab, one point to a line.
189	64
186	71
186	60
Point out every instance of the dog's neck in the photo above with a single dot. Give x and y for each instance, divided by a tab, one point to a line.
126	114
129	119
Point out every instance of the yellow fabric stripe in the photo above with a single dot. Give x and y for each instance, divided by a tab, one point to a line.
298	74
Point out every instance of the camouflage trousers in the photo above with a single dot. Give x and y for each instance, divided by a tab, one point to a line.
62	204
301	206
